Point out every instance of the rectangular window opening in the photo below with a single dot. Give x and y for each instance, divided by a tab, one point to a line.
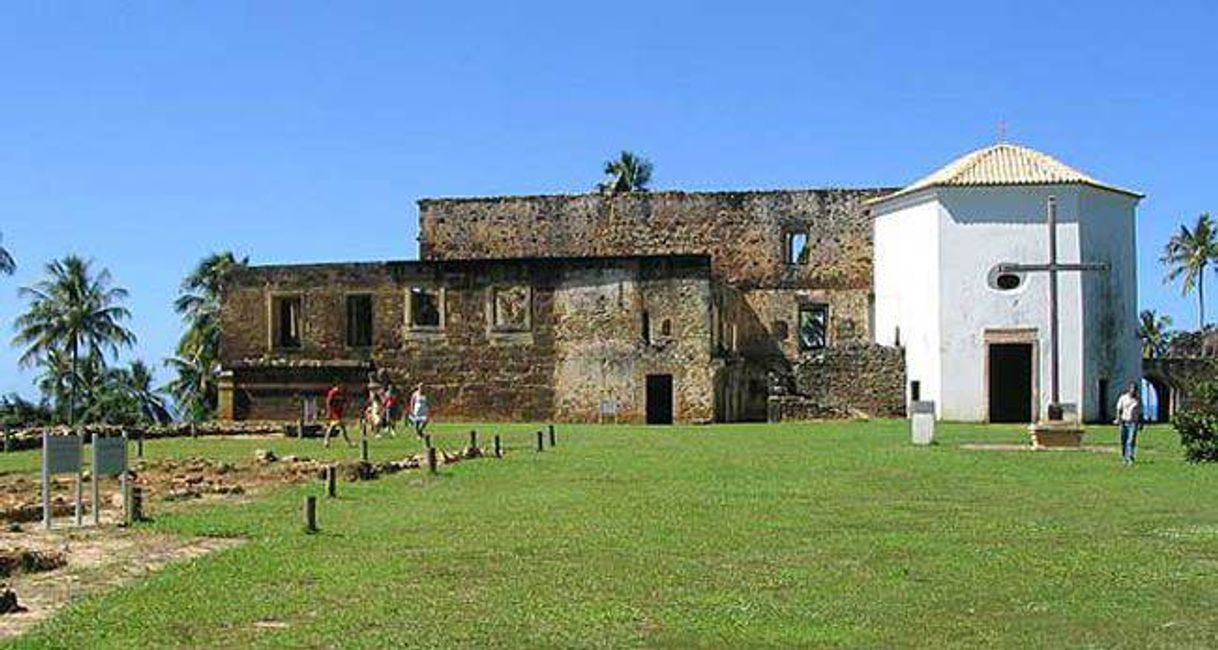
813	327
797	248
424	307
285	312
359	321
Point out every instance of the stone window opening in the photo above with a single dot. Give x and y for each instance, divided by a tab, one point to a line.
781	330
813	326
511	309
646	327
915	391
425	308
666	327
359	320
286	322
796	248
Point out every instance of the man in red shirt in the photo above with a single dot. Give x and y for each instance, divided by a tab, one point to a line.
336	403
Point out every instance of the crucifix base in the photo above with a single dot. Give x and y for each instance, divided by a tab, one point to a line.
1057	432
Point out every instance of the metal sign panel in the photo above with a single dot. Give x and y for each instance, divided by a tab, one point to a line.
61	454
109	456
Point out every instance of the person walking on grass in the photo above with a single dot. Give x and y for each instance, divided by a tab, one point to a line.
391	410
336	404
1129	419
418	410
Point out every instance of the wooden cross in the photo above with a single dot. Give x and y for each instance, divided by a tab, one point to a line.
1053	268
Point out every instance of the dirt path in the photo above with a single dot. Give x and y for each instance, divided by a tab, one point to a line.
98	559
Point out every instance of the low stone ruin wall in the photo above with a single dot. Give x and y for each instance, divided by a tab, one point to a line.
842	381
31	438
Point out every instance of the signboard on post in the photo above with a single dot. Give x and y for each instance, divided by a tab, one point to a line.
60	455
109	459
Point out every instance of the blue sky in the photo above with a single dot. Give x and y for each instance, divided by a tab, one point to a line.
144	135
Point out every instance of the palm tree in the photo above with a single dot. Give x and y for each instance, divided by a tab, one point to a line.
198	354
7	265
1187	255
72	311
130	397
1153	330
629	173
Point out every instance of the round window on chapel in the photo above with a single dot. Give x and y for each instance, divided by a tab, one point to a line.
1007	281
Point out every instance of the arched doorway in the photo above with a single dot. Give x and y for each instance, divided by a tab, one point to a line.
1161	400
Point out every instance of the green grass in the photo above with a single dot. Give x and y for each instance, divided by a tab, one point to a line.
728	536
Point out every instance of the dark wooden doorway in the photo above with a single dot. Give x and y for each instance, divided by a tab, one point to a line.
659	399
1010	382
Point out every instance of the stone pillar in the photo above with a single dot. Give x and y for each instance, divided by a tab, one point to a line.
226	406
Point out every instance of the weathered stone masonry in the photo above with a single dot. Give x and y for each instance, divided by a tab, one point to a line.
582	343
602	292
746	235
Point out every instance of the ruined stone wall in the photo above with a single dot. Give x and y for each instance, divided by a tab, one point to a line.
744	233
853	378
473	369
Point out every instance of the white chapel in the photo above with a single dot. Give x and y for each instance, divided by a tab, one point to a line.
976	327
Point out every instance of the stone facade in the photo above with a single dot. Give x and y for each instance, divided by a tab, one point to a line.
570	340
572	307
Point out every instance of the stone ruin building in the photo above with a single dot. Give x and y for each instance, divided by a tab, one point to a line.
652	307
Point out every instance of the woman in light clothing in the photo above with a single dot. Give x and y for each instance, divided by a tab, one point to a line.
418	410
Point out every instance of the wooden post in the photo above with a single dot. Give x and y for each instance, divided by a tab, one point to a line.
139	445
541	440
431	459
552	441
194	432
498	447
310	514
8	441
331	481
363	449
46	481
80	488
137	503
427	440
473	438
126	501
95	491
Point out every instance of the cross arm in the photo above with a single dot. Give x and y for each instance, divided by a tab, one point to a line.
1032	268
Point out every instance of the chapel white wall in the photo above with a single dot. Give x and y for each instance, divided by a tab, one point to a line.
906	286
982	227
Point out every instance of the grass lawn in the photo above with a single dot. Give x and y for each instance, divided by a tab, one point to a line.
725	536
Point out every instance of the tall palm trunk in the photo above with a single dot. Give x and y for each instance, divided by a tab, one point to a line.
1201	298
72	392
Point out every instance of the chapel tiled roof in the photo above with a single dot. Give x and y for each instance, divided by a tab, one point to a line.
1005	164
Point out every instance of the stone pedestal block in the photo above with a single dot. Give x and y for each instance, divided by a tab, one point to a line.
1062	433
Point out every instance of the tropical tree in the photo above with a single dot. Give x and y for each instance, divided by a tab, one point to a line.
197	361
1154	332
126	397
73	312
628	173
1187	255
7	265
15	412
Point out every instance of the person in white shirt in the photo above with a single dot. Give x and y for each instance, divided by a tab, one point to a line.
418	410
1129	418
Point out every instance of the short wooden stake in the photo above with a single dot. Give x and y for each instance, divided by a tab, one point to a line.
473	438
331	481
431	459
363	449
552	435
541	440
139	445
498	447
136	511
310	514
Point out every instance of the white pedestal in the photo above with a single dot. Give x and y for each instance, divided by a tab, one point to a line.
922	422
